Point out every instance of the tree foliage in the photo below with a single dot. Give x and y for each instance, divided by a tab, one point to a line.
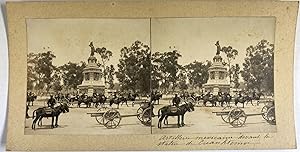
134	67
105	56
258	70
39	70
230	54
197	73
167	66
72	74
110	70
235	72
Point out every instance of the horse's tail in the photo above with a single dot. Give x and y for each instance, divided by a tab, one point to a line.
158	113
33	114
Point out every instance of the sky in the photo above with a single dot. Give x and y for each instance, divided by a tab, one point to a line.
194	38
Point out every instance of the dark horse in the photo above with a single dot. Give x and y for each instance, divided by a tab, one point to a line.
117	101
241	99
31	99
255	96
155	98
86	100
223	98
47	112
166	111
211	99
99	100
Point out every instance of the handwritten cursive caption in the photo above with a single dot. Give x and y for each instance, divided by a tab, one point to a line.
231	140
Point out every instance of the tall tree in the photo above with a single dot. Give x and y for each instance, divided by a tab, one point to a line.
72	74
230	54
56	82
182	80
168	67
258	70
197	73
134	67
235	69
40	69
105	56
110	70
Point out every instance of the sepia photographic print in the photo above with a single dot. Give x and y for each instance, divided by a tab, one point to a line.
156	75
173	82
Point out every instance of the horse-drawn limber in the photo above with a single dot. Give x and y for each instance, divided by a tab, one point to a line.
112	117
236	117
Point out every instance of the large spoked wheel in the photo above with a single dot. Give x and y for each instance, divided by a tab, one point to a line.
270	116
99	118
146	117
225	116
139	113
112	118
237	117
264	111
192	100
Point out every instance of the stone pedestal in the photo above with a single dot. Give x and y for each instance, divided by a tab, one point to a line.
92	78
218	77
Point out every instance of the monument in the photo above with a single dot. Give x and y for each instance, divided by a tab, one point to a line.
218	74
92	80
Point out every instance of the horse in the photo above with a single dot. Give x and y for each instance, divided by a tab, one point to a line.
86	100
209	98
155	98
242	100
117	101
132	97
99	100
255	96
166	111
54	113
31	99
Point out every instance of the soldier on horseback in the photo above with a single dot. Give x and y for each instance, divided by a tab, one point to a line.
51	102
176	101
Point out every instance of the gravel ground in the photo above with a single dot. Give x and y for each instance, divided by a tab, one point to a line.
202	120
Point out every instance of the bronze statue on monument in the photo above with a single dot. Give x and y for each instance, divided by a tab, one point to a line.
92	49
218	48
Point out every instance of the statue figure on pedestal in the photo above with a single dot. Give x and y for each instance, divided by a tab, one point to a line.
218	48
92	49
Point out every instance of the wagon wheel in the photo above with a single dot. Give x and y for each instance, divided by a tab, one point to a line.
269	103
111	118
139	113
192	100
270	116
237	117
264	111
99	118
225	117
146	117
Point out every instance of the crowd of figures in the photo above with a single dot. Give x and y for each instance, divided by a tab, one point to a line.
59	103
224	98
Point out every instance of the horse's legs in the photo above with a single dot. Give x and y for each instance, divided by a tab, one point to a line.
166	120
178	121
56	120
34	122
52	124
160	120
40	122
182	120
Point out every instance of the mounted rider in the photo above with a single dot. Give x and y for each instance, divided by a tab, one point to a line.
176	101
51	102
